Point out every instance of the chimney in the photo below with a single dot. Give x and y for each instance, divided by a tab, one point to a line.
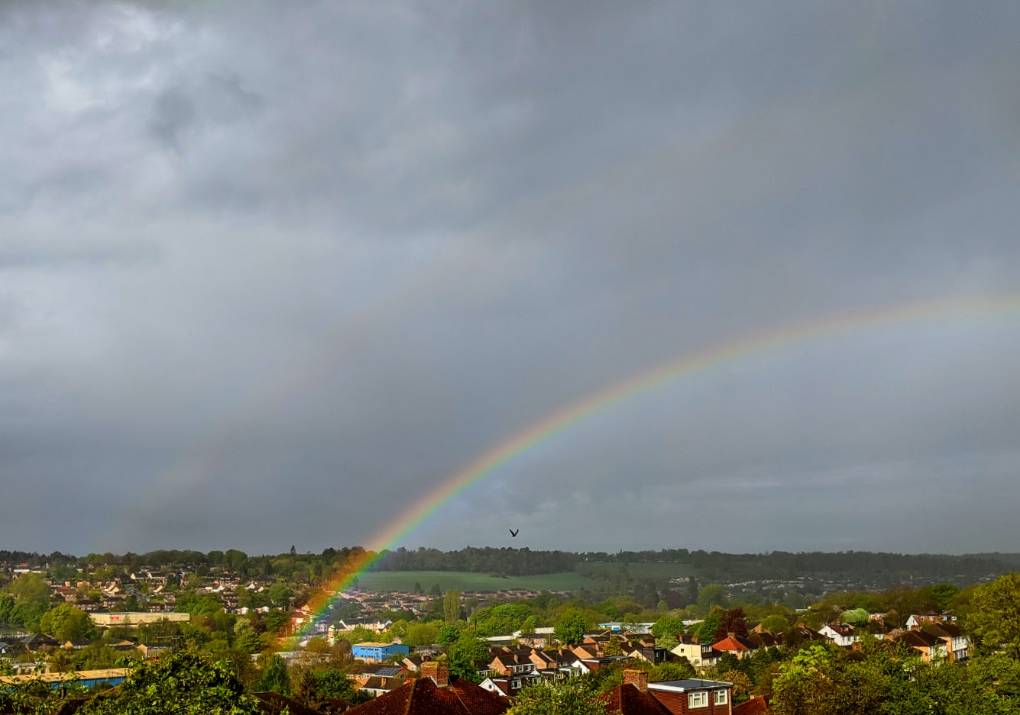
637	678
438	670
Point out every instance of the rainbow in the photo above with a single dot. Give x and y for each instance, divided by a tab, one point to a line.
568	416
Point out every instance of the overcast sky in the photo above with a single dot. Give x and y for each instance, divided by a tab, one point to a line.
270	272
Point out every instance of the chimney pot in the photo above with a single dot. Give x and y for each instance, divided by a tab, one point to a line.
637	678
438	670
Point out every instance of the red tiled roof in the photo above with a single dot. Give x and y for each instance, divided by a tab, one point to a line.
729	643
422	697
628	700
757	705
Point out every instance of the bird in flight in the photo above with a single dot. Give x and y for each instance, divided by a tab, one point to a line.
513	532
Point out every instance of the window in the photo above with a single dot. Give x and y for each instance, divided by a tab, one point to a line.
698	699
722	697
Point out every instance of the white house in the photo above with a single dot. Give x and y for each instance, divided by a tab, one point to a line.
842	634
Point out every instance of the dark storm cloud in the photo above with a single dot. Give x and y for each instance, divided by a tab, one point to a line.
267	275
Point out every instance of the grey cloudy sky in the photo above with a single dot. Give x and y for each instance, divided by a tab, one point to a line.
270	272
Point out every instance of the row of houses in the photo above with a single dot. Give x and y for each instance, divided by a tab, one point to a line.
435	694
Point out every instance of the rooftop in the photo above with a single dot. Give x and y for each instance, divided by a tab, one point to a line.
682	686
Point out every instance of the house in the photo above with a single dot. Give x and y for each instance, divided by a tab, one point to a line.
916	620
38	641
433	694
842	634
620	627
372	652
629	699
697	654
151	651
380	686
636	696
957	645
377	626
693	695
930	647
734	645
513	664
412	663
757	705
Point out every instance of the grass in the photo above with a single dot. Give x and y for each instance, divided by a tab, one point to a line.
468	581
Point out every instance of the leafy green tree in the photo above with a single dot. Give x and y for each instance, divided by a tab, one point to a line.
994	620
31	588
464	655
274	677
672	670
419	634
775	624
451	606
7	604
710	596
280	594
571	625
802	685
574	696
668	625
67	623
855	616
709	629
182	682
942	594
324	689
448	633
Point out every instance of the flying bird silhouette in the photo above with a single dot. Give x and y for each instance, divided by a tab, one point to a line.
513	532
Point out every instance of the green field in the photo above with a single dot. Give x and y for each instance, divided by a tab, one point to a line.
467	581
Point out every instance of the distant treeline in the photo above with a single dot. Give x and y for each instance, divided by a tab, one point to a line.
707	565
710	565
504	561
288	564
715	565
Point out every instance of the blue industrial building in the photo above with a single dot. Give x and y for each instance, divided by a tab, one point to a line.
378	652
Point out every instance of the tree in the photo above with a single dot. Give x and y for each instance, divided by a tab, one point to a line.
709	596
275	677
31	588
667	631
709	629
419	634
855	616
280	594
942	594
451	606
733	621
448	633
571	626
67	623
324	689
672	670
573	696
775	624
464	654
182	682
994	621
